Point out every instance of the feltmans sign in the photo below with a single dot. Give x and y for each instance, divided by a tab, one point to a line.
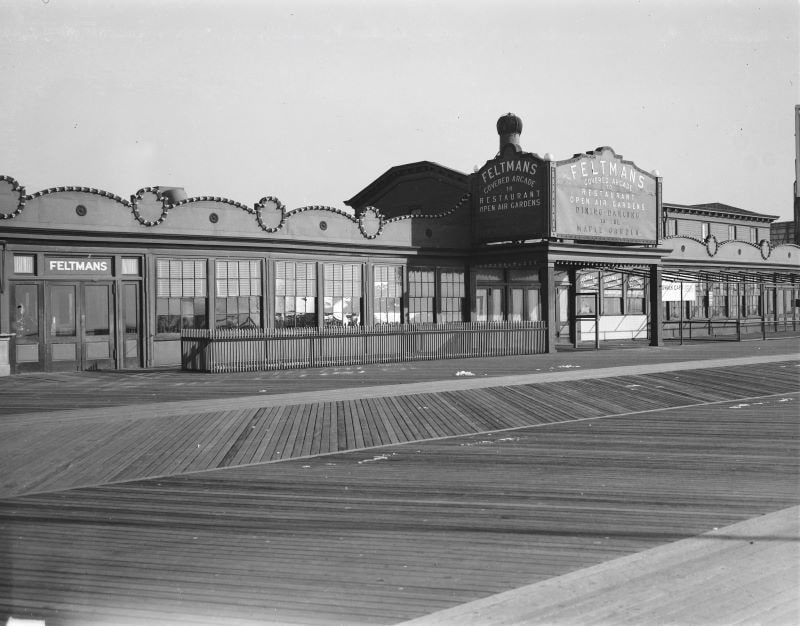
510	198
77	266
600	196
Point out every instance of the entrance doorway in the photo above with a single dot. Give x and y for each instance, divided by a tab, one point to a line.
80	333
563	334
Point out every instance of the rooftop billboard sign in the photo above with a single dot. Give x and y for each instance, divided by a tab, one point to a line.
599	196
510	198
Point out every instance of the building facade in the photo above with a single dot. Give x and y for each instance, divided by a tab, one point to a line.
91	280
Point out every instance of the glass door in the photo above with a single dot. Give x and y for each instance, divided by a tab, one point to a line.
131	326
63	346
562	314
97	327
26	324
80	326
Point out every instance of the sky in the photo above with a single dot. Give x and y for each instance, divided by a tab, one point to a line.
310	101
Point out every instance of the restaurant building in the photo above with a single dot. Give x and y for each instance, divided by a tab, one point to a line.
581	250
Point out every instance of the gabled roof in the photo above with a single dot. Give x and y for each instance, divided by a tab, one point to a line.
404	170
719	208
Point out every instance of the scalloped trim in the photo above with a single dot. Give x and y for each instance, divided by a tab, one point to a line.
260	208
763	245
15	186
711	242
319	207
712	245
166	205
378	215
463	200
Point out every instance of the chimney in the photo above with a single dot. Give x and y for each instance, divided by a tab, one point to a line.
509	127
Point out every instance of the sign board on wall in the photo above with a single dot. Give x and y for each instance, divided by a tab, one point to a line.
599	196
77	266
510	198
672	291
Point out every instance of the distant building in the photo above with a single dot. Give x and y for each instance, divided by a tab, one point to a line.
783	232
726	223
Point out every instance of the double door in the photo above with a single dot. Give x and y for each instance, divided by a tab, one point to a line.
82	329
79	326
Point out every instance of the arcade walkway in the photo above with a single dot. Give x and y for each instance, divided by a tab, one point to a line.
619	486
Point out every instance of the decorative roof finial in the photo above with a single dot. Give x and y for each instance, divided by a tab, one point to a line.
509	127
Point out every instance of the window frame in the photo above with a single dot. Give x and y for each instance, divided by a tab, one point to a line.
310	280
249	303
345	284
174	306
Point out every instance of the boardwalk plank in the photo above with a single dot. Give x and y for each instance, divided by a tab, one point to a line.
434	524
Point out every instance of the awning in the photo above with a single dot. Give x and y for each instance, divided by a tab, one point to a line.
732	275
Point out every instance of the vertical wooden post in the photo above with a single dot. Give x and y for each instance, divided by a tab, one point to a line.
572	276
738	310
656	316
680	307
550	305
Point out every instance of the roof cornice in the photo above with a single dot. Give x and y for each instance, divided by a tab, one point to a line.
407	169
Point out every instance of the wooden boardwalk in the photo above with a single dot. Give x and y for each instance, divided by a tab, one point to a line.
381	509
76	449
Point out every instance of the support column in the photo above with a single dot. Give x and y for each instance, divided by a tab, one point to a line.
656	315
550	304
572	276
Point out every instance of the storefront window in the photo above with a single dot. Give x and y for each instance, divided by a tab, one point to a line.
342	294
534	307
769	303
238	301
421	292
295	294
451	287
733	300
589	282
388	294
489	304
697	307
750	300
788	299
717	300
26	311
181	299
635	295
612	294
672	310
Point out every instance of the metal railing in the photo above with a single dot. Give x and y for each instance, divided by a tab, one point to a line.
724	329
247	350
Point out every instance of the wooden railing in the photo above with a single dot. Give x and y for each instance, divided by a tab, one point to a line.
246	350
